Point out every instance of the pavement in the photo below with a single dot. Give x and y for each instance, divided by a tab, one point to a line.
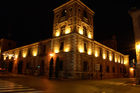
43	85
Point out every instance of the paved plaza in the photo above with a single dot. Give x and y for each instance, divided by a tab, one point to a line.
12	83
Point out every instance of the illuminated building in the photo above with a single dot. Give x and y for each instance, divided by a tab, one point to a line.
72	51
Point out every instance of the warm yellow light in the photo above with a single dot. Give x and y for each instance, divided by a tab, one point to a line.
10	56
51	54
138	46
131	69
34	52
104	56
119	59
116	59
16	56
89	35
68	30
126	59
81	49
96	54
24	55
56	51
4	57
57	33
81	30
110	56
89	52
66	49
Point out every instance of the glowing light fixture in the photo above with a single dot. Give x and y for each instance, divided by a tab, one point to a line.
66	49
51	54
57	33
81	30
104	56
89	52
89	35
68	30
81	49
96	53
56	51
138	46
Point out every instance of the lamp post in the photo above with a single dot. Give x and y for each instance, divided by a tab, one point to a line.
138	63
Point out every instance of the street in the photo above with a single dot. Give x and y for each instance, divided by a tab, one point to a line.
12	83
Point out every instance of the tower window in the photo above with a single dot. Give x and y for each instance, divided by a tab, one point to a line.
85	14
85	31
63	29
64	13
61	46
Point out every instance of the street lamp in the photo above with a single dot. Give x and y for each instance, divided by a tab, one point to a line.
51	54
138	62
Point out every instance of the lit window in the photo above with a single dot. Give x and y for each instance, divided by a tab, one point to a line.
57	33
81	30
68	30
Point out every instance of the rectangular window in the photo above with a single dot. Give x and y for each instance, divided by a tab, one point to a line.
107	69
85	47
29	52
85	31
100	52
107	54
61	46
113	69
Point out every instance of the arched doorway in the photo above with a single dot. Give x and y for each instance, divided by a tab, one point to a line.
85	74
51	68
20	63
58	67
10	67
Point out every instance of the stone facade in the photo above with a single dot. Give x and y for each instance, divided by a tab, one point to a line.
72	52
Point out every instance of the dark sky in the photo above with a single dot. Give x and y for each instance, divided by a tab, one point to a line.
30	21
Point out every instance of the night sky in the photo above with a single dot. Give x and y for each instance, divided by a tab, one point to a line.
28	22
